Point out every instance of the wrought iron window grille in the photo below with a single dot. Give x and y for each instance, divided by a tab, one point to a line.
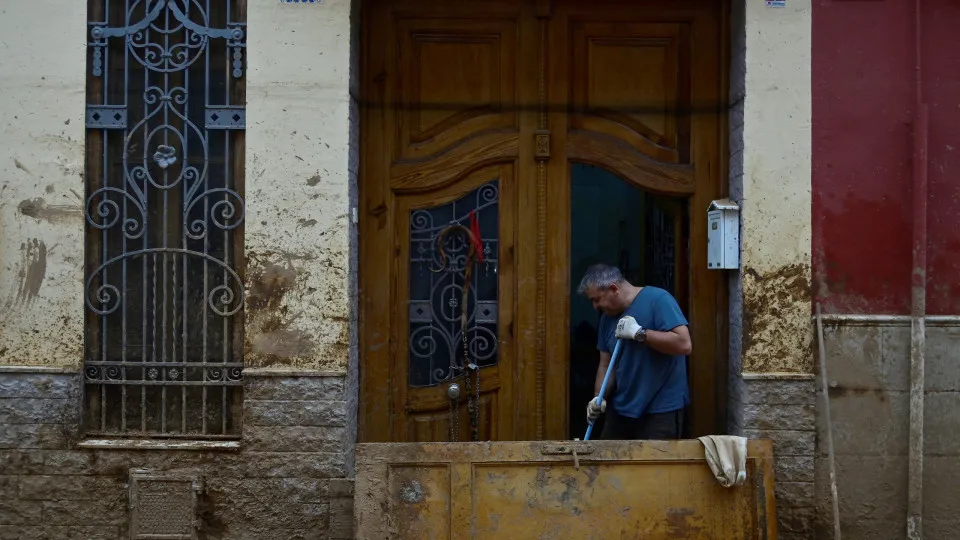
164	213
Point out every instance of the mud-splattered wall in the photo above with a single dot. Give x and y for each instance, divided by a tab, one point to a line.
864	98
42	62
776	230
298	186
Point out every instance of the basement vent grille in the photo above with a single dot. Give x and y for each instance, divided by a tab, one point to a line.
163	505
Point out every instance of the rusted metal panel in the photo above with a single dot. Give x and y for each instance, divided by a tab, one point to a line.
608	489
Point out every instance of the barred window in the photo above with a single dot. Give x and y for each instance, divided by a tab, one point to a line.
164	217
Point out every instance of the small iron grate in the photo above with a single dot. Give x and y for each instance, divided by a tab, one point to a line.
163	505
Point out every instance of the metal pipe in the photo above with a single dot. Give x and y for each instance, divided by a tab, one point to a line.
825	388
918	295
889	320
603	385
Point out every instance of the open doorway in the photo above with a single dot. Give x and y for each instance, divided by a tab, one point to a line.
454	97
615	222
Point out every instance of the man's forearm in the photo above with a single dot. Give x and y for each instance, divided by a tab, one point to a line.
601	373
668	342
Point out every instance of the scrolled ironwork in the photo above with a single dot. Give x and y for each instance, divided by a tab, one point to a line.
437	285
164	212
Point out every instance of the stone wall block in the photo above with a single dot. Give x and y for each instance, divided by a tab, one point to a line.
35	435
793	468
942	365
786	443
39	411
341	518
869	529
772	392
266	508
870	487
871	423
941	528
289	464
73	532
795	494
20	462
342	488
77	488
779	417
796	521
17	512
79	462
294	490
294	389
941	478
287	481
80	532
295	413
39	385
109	509
941	423
293	439
896	358
854	359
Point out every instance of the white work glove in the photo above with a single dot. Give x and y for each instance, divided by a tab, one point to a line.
594	411
627	328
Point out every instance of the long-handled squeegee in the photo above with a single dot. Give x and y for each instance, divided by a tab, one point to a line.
603	387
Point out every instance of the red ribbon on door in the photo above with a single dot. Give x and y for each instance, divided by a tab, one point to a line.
475	231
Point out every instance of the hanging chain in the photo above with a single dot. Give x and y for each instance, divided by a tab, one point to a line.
472	370
454	420
473	399
475	402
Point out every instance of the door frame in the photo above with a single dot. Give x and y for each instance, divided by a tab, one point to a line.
708	310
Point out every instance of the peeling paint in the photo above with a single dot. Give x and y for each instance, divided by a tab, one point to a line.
777	333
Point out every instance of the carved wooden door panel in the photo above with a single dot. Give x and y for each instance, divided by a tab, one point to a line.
441	200
472	113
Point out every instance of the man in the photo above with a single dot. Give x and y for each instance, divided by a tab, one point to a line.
650	379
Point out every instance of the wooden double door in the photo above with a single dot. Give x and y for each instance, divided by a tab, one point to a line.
472	114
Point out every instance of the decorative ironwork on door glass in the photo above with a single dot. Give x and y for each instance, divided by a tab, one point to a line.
436	287
164	212
661	247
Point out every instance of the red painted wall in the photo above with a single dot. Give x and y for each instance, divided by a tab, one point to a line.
863	105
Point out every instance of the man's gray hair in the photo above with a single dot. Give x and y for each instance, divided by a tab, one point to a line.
600	276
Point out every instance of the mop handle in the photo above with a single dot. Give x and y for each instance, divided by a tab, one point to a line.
603	386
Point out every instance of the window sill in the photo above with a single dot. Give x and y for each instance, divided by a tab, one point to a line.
154	444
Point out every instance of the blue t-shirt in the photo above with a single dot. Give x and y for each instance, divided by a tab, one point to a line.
647	381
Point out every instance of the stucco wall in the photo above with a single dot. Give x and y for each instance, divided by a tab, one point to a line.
776	193
297	184
863	163
299	294
771	392
864	102
42	61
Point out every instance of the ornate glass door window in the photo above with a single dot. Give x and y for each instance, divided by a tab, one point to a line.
438	267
